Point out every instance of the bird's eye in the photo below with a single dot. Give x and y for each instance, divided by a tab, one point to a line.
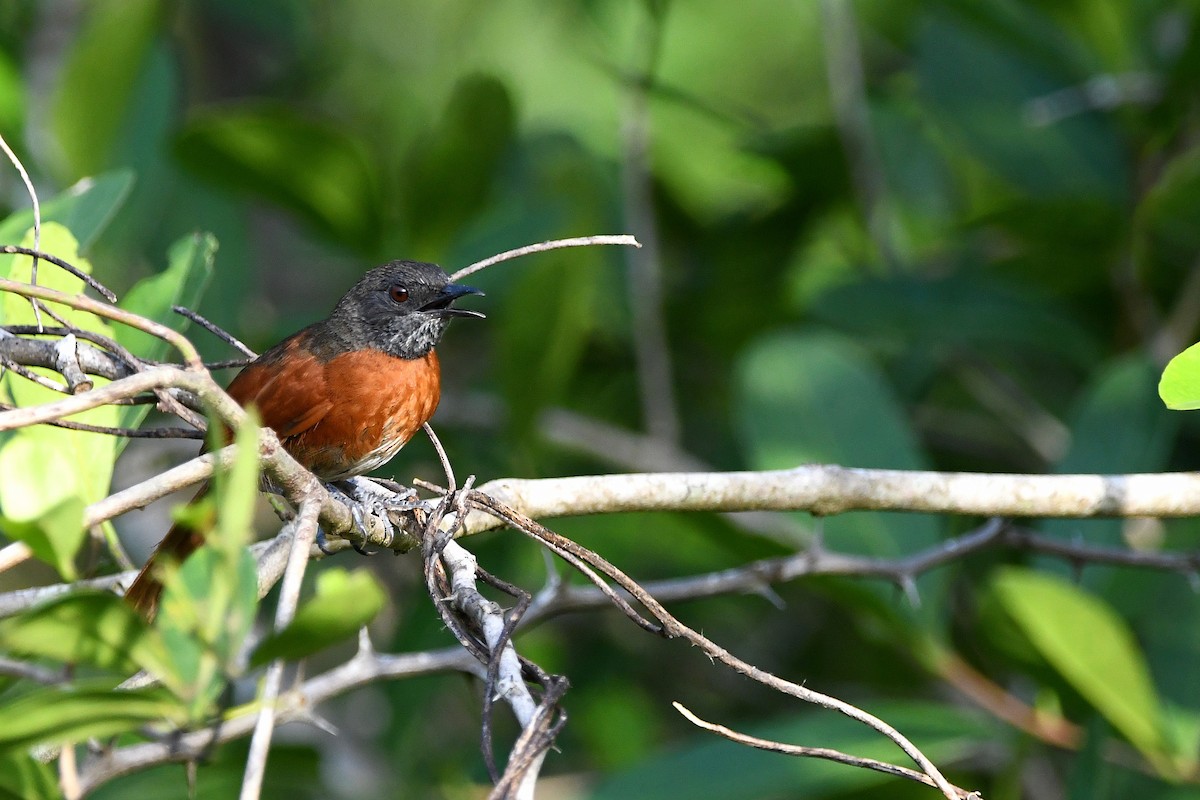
398	293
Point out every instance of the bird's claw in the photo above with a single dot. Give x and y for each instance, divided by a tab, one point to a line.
323	543
363	496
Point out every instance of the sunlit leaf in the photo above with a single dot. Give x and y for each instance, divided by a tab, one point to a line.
94	628
54	715
1180	384
42	468
343	603
1092	648
208	603
189	267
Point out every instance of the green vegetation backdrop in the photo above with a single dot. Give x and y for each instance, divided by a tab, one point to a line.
951	234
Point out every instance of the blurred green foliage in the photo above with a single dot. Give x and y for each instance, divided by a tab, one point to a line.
983	265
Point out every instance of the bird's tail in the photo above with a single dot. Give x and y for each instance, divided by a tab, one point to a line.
179	543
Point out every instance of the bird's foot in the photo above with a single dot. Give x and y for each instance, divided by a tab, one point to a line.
364	496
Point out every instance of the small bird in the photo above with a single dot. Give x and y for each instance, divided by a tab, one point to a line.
346	393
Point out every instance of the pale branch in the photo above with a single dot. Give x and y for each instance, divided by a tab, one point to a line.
295	704
16	668
79	302
143	494
305	527
612	444
66	362
485	630
154	378
826	489
127	433
112	361
541	247
816	752
14	553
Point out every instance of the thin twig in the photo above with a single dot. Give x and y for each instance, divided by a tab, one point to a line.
541	247
365	668
13	554
815	752
37	218
82	303
33	377
215	330
289	598
451	485
143	494
101	289
672	627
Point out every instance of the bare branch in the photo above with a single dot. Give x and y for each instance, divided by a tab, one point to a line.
826	489
13	554
816	752
296	704
12	249
80	302
670	627
66	361
541	247
305	527
215	330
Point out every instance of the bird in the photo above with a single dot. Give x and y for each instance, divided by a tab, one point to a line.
344	394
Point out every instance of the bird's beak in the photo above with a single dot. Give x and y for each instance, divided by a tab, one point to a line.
440	306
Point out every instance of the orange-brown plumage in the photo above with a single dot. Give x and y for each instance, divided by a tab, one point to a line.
343	395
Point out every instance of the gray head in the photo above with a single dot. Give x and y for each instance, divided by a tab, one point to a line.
401	308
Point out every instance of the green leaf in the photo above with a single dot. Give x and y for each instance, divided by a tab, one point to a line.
23	777
988	107
85	209
96	628
54	534
99	80
59	715
344	602
1179	387
1093	649
209	602
189	268
712	768
44	470
312	168
817	398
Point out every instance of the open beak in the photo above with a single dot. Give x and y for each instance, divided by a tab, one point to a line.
440	306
